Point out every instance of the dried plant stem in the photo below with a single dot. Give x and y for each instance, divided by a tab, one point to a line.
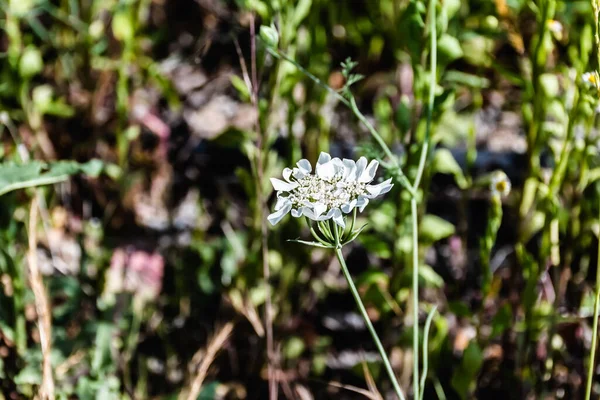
213	348
42	308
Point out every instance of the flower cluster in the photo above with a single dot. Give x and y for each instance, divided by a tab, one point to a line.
337	187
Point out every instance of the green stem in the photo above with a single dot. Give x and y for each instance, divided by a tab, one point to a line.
591	367
415	293
279	53
413	200
425	349
431	99
363	311
325	229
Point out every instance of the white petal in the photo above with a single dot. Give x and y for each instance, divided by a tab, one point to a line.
319	208
278	215
282	186
326	171
361	164
338	217
348	207
377	190
287	173
323	158
361	203
310	214
297	213
304	166
281	201
369	173
325	217
298	173
349	170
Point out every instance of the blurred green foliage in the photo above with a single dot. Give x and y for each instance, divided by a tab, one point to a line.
144	263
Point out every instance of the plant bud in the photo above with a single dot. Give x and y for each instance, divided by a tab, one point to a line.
269	35
31	62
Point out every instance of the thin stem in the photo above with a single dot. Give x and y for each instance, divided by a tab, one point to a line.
591	367
363	311
278	53
260	168
314	233
326	230
413	200
431	100
425	349
415	293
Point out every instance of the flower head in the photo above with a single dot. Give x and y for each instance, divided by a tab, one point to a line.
556	28
500	184
590	79
335	188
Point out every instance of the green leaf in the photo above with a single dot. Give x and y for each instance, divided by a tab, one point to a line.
430	277
550	85
293	348
375	245
451	7
209	391
411	27
502	321
36	173
102	347
373	277
449	49
465	375
463	78
434	228
239	84
30	375
444	163
301	12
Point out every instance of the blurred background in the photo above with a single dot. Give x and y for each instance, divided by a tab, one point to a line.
161	273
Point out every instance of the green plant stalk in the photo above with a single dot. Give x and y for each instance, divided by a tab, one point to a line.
590	377
365	315
538	61
425	349
591	366
533	138
413	201
415	294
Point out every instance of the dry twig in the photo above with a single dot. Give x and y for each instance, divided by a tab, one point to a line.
215	344
41	305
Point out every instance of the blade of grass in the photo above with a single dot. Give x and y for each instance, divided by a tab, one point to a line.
591	366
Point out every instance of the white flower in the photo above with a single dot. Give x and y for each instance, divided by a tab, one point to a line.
335	188
500	184
556	28
590	79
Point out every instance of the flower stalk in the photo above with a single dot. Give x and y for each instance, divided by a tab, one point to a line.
365	316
